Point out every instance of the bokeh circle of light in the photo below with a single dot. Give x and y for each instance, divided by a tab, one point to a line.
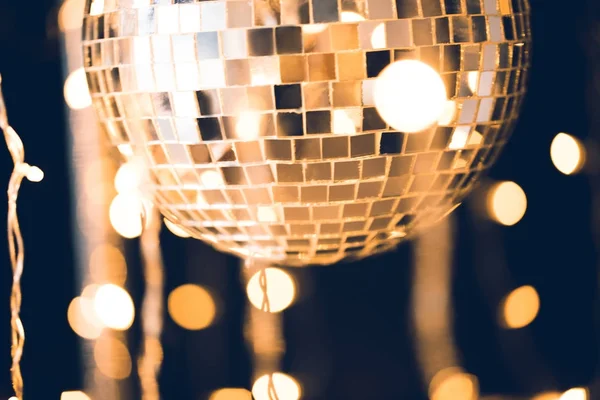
128	178
114	307
520	307
76	92
231	394
453	383
74	396
575	394
507	203
112	358
82	318
567	153
281	290
410	95
126	211
192	307
286	387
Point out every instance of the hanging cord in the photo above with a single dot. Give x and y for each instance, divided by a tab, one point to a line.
150	361
15	240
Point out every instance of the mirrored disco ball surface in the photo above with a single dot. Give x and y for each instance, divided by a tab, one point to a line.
308	131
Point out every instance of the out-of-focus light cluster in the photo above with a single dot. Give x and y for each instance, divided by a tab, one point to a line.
192	307
280	290
506	203
76	91
231	394
520	307
575	394
74	396
286	387
568	154
129	208
99	307
112	358
452	384
70	15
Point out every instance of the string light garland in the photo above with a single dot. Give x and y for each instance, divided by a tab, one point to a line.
15	240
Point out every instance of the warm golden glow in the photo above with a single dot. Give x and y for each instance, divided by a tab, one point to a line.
126	211
473	80
211	179
449	113
547	396
520	307
114	307
351	16
410	95
74	396
575	394
567	153
192	307
83	319
342	123
76	91
281	290
266	214
70	15
231	394
34	174
112	358
378	40
507	203
286	387
129	178
107	265
175	229
248	126
452	384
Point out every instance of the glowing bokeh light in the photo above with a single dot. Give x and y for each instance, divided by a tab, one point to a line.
575	394
192	307
547	396
449	113
452	384
128	178
108	265
351	16
378	40
410	95
76	91
281	290
567	153
74	396
507	203
231	394
83	319
112	358
286	387
114	307
176	230
520	307
126	211
70	15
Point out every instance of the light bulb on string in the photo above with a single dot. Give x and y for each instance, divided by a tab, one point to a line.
279	287
285	387
410	95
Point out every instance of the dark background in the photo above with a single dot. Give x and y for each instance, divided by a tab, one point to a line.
350	336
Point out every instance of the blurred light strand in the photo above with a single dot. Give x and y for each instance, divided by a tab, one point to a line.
15	240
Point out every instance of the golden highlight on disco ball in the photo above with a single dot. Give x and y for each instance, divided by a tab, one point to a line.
308	132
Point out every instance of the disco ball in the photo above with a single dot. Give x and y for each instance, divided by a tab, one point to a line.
308	131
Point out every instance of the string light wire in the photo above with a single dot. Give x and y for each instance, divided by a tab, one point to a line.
15	240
